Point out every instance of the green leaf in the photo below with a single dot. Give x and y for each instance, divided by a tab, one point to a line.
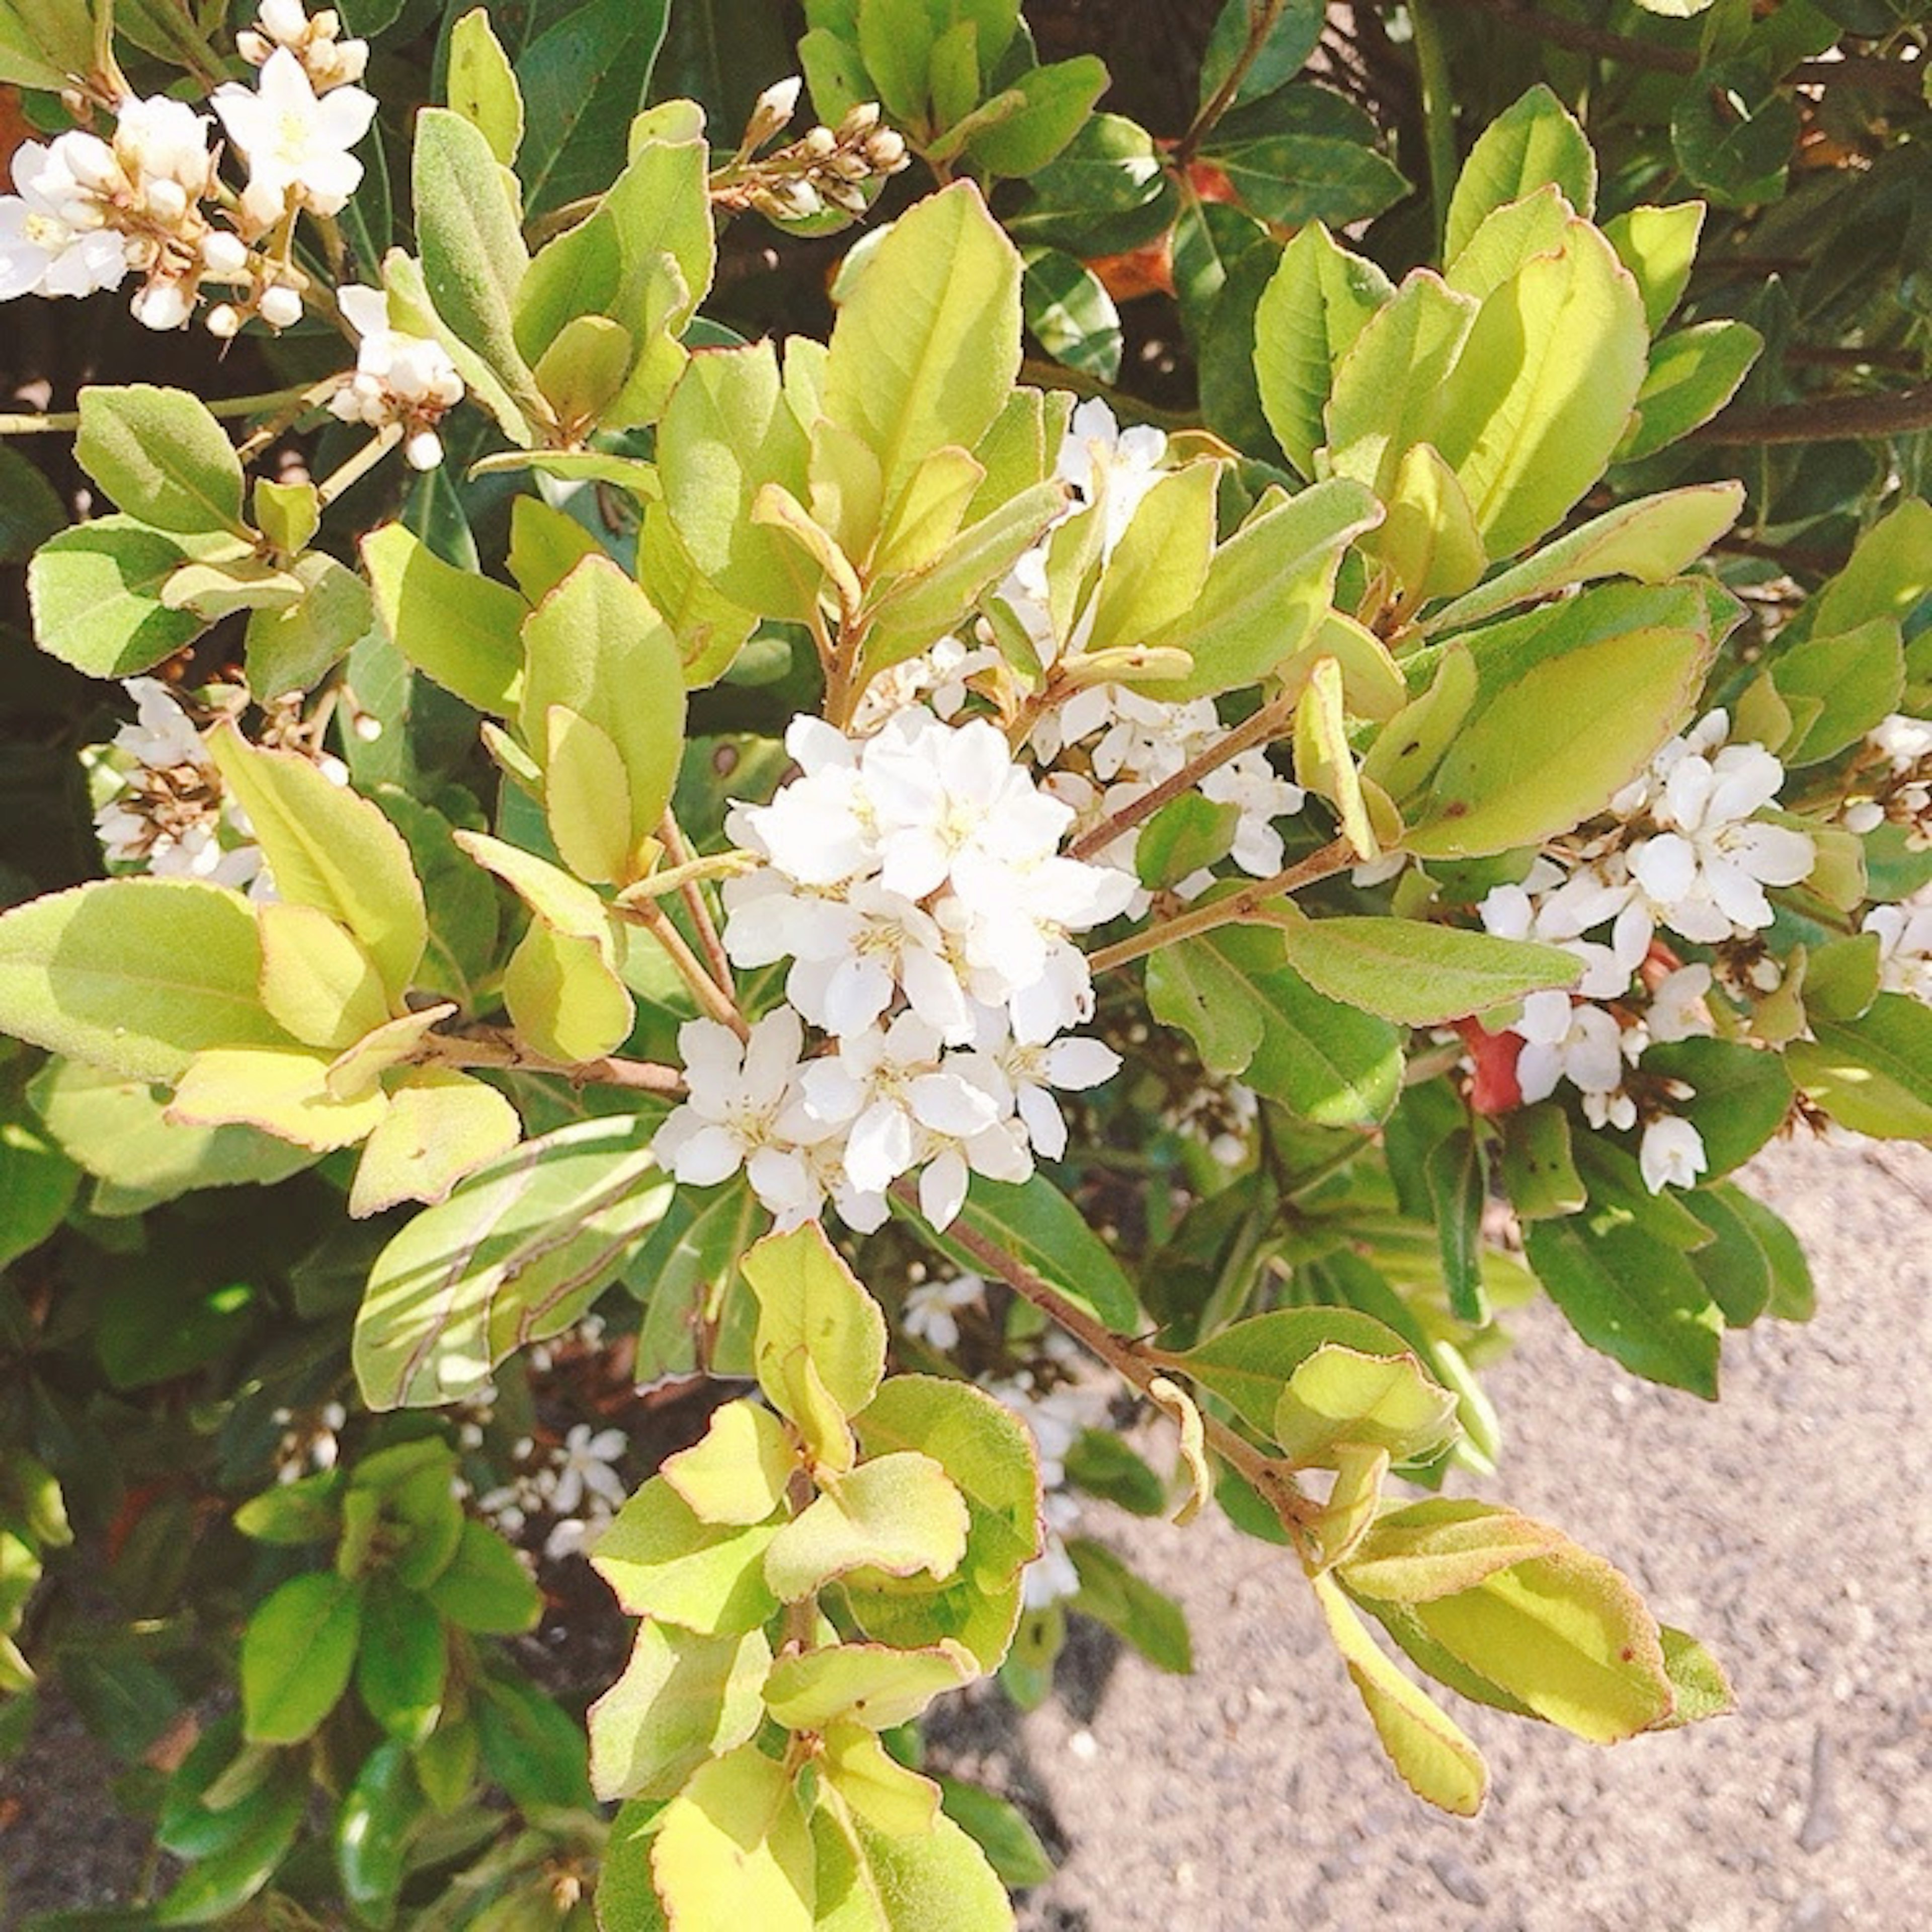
441	1125
740	1470
403	1662
1855	678
373	1830
1873	1074
1070	314
1534	142
290	649
459	629
987	1454
1130	1606
821	1338
733	1850
96	594
936	1879
899	1513
1155	574
1429	539
1741	1096
37	1185
1286	41
564	996
1658	246
593	645
1539	1171
1889	575
1508	237
1105	192
1692	374
1697	1678
331	850
1651	539
1632	1296
162	457
136	976
297	1653
870	1684
1569	726
1567	1635
1055	102
1098	1462
266	1824
484	1589
470	233
516	1255
44	46
1435	1549
307	1510
663	1562
1316	303
1428	1751
682	1700
1267	588
1339	1397
926	349
117	1130
1417	974
1249	1012
481	86
317	979
31	510
1000	1830
1034	1221
1304	153
1732	133
1249	1365
1543	387
531	1746
584	78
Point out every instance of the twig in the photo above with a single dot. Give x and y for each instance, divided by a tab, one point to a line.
1824	419
716	999
679	848
1263	16
65	421
1135	1362
491	1046
1256	731
1338	856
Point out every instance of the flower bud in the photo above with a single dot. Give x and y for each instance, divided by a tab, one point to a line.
859	121
252	47
424	451
848	167
162	305
887	151
284	20
223	255
224	321
846	195
280	307
820	143
167	201
772	111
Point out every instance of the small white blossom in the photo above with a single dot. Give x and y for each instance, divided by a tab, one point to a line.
295	143
1905	946
405	379
1672	1155
931	1311
53	241
1107	464
585	1466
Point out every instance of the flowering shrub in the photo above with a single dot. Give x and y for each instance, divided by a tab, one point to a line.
777	936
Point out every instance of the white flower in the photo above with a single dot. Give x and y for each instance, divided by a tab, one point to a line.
1704	873
1672	1154
738	1093
162	141
399	378
52	242
1030	1072
1103	461
1906	741
1050	1577
293	141
1262	795
930	1312
585	1466
1905	946
1567	1040
1677	1009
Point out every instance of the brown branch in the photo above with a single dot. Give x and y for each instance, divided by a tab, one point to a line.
1824	419
1335	857
1272	1479
492	1046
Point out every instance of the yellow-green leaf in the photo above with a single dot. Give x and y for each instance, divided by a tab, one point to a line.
441	1125
316	980
283	1091
812	1309
682	1700
900	1514
663	1562
734	1851
738	1471
870	1684
1340	1395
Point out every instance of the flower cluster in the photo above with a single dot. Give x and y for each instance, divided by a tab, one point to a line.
160	807
826	167
89	211
1893	780
403	380
1904	946
915	883
576	1482
1688	852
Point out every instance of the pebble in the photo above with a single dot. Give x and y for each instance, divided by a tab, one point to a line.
1457	1879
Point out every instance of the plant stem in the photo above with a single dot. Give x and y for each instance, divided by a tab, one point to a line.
1135	1362
356	467
1824	419
692	893
1262	16
1438	111
716	999
1266	724
1045	375
1338	856
67	420
492	1046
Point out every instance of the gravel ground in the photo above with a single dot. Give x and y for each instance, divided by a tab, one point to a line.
1790	1527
